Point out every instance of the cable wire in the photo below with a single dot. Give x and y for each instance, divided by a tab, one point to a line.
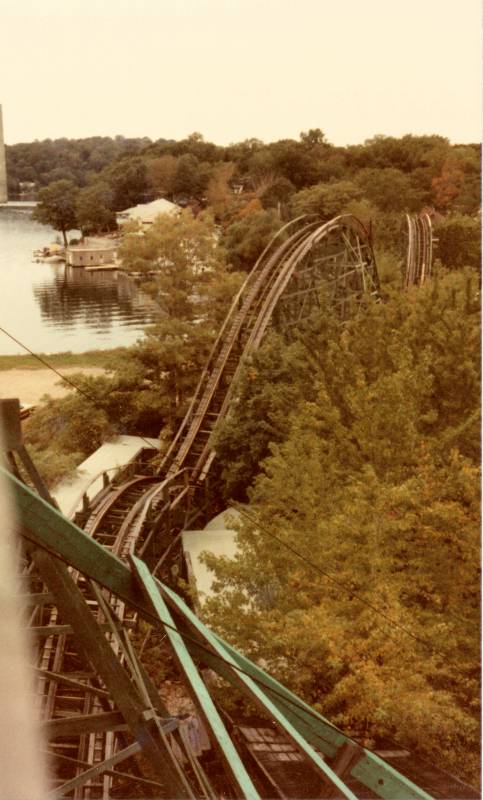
346	588
97	401
156	621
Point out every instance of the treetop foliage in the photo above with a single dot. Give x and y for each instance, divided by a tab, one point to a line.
359	447
393	174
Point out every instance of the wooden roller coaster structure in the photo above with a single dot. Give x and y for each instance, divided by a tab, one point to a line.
420	249
99	707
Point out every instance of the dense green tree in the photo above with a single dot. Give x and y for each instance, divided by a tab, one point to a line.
128	181
94	209
313	137
294	161
458	241
46	161
389	189
161	173
327	200
374	478
245	239
191	176
57	207
277	194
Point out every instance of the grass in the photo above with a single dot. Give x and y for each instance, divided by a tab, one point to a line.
92	358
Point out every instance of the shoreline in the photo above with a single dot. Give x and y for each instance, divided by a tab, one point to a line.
90	358
30	386
26	377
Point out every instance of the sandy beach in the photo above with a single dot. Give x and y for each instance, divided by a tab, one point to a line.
29	385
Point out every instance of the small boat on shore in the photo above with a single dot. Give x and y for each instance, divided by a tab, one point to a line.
52	252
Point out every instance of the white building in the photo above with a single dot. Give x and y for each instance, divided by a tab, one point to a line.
91	253
146	213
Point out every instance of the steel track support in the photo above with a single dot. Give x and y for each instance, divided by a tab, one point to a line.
48	529
198	690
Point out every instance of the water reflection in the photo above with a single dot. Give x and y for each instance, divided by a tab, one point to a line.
52	307
92	299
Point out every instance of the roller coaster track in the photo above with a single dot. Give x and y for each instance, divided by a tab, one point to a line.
420	250
288	280
306	268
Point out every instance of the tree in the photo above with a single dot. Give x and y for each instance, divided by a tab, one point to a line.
389	189
193	290
457	187
218	193
277	193
374	479
128	181
327	200
459	241
161	173
57	207
313	137
191	177
94	209
245	240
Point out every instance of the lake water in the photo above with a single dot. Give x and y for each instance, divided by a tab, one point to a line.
52	308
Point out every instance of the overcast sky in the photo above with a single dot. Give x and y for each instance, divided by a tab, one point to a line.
235	69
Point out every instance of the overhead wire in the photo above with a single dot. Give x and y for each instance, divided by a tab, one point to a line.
342	584
155	620
301	712
97	401
265	530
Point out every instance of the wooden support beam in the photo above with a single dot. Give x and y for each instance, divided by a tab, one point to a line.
63	679
96	770
44	631
84	723
99	652
95	723
41	598
48	528
109	771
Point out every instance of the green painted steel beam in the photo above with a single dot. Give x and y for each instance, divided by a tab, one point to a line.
370	770
45	526
199	691
257	693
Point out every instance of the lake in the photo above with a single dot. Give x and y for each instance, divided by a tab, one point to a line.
51	307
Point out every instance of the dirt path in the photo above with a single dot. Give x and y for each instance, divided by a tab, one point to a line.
29	385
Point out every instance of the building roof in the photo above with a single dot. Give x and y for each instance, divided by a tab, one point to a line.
91	244
147	212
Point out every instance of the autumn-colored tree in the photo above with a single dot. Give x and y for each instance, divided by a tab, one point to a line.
459	241
161	173
457	187
374	480
219	194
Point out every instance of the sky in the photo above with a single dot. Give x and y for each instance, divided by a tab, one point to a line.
237	69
